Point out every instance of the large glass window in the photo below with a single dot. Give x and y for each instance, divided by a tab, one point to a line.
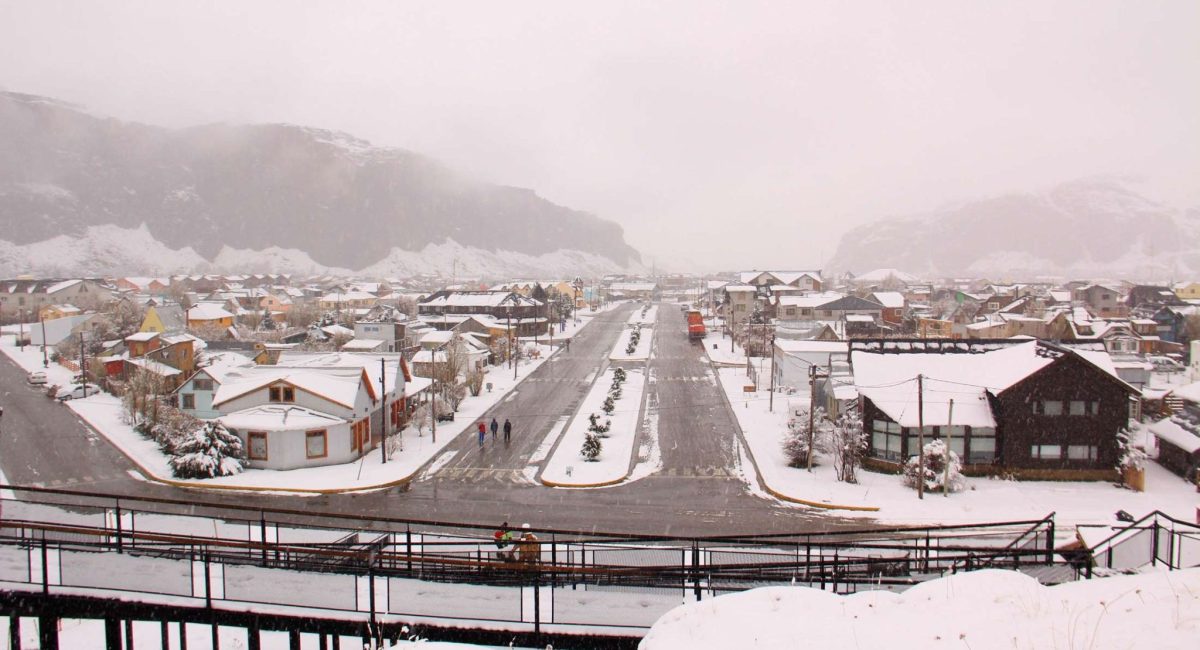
885	440
188	401
1046	452
983	445
1081	452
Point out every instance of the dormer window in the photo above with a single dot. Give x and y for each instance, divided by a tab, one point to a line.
283	394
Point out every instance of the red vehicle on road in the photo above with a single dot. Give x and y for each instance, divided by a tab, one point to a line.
695	325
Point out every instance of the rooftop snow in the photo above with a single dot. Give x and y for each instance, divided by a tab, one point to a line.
279	417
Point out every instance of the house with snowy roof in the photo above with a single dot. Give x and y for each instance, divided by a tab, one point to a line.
208	314
1178	436
1032	409
1102	300
312	409
29	296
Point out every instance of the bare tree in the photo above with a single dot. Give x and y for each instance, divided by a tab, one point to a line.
303	314
475	382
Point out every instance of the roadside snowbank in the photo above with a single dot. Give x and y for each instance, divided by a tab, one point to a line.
980	610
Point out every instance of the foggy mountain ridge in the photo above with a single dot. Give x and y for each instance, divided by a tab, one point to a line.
1099	227
332	201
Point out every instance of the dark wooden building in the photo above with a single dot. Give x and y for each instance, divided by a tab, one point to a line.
1033	410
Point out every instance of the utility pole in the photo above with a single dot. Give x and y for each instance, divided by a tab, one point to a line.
21	329
949	437
83	364
45	359
383	414
433	395
812	407
508	321
771	398
920	436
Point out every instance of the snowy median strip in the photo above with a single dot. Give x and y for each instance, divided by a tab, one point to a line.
633	345
567	466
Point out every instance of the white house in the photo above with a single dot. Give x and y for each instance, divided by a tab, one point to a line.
313	409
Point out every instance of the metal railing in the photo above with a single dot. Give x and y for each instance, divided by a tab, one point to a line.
61	540
1155	539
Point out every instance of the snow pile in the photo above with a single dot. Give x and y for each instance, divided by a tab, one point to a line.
980	610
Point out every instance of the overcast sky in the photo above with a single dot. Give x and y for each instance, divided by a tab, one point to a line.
728	135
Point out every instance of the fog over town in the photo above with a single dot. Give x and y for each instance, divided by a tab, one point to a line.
676	120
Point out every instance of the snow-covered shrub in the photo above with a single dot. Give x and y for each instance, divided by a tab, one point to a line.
591	448
1132	456
848	444
619	376
474	382
796	439
596	428
209	451
609	405
935	469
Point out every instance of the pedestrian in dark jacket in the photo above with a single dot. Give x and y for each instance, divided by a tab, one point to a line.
494	427
507	430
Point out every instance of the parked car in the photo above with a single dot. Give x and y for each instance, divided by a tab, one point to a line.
37	378
446	417
78	391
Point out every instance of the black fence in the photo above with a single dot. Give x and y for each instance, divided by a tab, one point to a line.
381	572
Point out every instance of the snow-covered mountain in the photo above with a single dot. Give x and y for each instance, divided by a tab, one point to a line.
264	196
112	251
1091	227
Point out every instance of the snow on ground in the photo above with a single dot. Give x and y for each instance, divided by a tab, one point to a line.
567	467
104	413
640	353
1075	502
649	458
979	610
719	352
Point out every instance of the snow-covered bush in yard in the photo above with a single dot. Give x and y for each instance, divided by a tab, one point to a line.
609	405
591	448
935	469
208	451
173	427
848	444
1132	456
796	439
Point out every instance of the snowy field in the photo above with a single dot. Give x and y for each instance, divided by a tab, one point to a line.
984	499
567	467
104	413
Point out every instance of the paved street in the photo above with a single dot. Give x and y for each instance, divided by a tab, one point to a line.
698	491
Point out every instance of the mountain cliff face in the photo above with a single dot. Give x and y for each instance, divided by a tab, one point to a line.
343	202
1093	227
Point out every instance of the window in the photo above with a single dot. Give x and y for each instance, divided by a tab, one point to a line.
189	401
315	444
957	435
360	434
1080	407
885	440
283	394
739	307
1048	407
983	445
257	447
202	383
1046	452
1081	452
